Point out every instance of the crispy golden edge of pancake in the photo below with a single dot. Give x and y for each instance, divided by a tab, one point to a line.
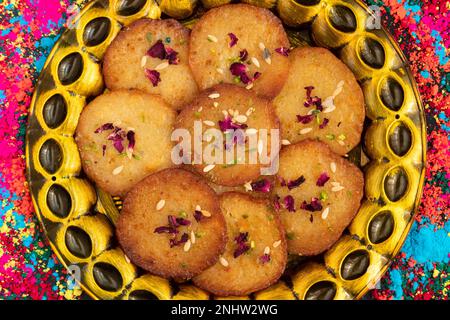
203	100
211	285
212	14
357	179
171	270
90	171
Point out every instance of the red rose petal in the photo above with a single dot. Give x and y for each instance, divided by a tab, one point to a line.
295	183
289	203
153	76
263	185
157	50
323	178
233	39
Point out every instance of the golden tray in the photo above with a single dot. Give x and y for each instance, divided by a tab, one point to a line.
79	219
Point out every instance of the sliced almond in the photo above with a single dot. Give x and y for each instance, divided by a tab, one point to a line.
143	61
285	142
336	189
255	62
333	167
241	118
276	243
161	203
248	186
206	213
266	250
223	262
214	95
117	170
209	167
325	213
219	70
305	130
209	123
198	208
187	246
193	237
212	38
162	65
335	184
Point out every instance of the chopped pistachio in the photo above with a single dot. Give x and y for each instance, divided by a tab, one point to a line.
323	196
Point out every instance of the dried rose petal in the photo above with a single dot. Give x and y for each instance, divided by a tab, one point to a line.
241	238
154	76
157	50
283	51
228	124
117	137
233	39
263	185
282	181
104	127
256	75
295	183
245	79
172	221
312	101
289	203
103	149
131	140
264	258
165	229
164	53
309	90
315	205
323	178
324	123
198	215
183	222
305	119
174	242
243	55
242	248
172	56
239	69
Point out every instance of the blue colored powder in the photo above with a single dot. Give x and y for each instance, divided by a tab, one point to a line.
426	244
396	286
425	74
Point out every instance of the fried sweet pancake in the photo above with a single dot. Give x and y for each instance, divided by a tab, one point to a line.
240	44
318	194
152	55
255	255
169	232
118	147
